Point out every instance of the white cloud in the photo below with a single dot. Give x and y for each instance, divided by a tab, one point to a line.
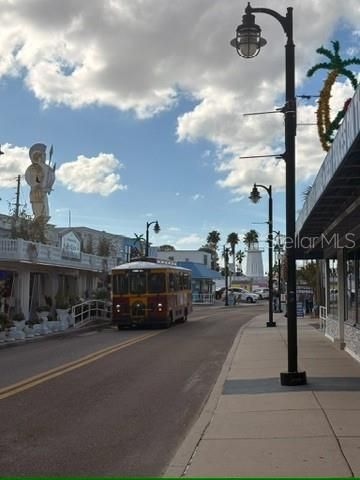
14	162
138	55
197	196
92	175
191	241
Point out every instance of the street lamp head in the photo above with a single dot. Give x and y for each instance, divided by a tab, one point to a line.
255	194
156	227
248	40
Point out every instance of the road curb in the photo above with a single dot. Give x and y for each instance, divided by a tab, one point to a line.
184	454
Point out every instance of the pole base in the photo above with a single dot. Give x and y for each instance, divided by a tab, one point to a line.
292	379
271	324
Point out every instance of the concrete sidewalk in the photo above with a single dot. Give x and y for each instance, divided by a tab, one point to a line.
252	426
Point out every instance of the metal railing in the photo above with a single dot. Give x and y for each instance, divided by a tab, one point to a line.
203	298
322	317
24	250
89	311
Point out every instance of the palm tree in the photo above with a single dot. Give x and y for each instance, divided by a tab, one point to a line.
213	239
140	240
310	274
250	237
240	255
336	66
306	192
233	240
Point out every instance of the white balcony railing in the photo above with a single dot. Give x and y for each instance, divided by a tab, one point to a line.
39	253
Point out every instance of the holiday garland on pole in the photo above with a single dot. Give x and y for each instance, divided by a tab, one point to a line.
337	66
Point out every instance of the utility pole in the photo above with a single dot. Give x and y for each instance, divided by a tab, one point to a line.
17	203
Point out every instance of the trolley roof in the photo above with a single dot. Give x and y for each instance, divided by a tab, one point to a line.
141	265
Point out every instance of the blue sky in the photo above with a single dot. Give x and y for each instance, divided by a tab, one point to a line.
143	102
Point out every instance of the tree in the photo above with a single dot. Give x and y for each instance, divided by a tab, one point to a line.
23	225
103	247
139	240
213	239
310	274
240	255
336	66
166	248
233	240
251	237
306	192
89	247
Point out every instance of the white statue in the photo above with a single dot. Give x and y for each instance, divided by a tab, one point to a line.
41	177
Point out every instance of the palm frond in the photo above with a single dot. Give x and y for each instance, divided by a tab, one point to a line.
347	73
326	52
336	46
312	70
351	61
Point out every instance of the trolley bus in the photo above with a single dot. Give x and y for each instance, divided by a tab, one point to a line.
146	293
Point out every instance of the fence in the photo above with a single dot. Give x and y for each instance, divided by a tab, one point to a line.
89	311
203	298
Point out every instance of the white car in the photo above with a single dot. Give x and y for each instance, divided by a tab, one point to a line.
242	295
261	292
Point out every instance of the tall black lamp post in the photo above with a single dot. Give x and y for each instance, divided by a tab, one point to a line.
226	268
248	42
278	250
255	197
156	230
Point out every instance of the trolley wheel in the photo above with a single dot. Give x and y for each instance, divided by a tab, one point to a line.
184	318
168	322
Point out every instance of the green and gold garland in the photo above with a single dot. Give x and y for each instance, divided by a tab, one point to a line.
337	66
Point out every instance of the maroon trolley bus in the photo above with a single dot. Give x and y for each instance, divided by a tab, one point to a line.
146	293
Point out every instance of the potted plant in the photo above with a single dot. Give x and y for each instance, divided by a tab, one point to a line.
62	311
33	327
42	309
4	325
43	312
19	320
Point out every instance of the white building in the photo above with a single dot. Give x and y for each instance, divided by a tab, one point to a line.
328	229
254	262
194	256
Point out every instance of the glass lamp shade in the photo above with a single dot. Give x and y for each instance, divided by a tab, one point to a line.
255	195
156	227
248	40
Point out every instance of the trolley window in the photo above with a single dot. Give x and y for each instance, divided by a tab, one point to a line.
121	283
137	282
156	282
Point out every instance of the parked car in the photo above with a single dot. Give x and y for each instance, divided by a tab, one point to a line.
242	295
261	292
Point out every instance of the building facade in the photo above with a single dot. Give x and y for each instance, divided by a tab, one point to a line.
328	230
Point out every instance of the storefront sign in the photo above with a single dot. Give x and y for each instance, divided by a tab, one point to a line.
71	246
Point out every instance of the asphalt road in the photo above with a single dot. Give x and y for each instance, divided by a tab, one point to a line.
109	403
